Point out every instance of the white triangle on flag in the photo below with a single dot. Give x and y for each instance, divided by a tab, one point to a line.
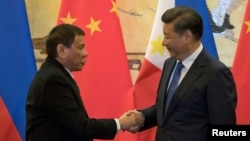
156	53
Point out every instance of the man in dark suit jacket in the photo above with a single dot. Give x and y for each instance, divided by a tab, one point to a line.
54	108
206	94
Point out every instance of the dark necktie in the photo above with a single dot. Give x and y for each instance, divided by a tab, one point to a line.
173	85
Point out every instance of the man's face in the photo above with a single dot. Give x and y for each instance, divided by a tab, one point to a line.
76	54
174	43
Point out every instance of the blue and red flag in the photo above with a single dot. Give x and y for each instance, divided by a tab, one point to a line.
18	67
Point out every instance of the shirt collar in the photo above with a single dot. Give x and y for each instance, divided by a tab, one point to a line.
69	72
189	61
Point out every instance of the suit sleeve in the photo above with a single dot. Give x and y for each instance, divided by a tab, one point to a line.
61	103
222	98
150	117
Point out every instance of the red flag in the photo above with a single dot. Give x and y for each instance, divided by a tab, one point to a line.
105	82
8	131
240	69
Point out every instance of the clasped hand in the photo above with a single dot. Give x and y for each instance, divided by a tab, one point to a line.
131	121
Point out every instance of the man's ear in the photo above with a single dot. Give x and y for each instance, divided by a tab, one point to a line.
188	35
60	50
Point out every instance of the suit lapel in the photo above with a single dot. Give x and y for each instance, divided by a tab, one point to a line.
168	68
194	72
76	94
71	81
78	97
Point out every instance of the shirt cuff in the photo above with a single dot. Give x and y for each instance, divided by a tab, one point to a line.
117	124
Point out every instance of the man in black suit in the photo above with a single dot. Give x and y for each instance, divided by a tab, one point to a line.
54	108
206	91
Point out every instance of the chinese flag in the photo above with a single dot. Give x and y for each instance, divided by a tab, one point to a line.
105	82
240	69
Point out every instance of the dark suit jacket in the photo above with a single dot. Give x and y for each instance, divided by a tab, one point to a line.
206	96
55	111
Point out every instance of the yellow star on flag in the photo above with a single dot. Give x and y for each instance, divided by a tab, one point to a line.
68	19
248	26
114	8
94	25
157	46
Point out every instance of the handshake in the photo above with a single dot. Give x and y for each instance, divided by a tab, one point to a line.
131	121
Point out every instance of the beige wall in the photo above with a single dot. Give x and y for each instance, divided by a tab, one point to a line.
136	28
226	47
42	16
